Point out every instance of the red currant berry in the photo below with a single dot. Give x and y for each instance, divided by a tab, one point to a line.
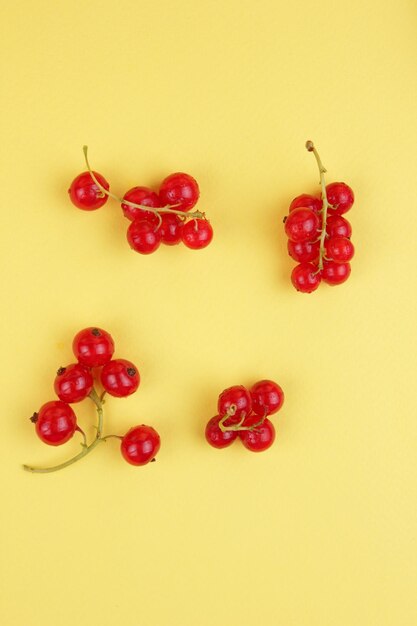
143	236
216	437
259	439
267	397
302	225
171	229
305	277
339	249
338	226
335	273
55	423
140	445
73	383
306	201
304	251
144	196
237	397
85	194
93	347
340	196
120	378
179	189
197	234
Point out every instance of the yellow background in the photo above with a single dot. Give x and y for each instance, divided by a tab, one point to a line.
321	529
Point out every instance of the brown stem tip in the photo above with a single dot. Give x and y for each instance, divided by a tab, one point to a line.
310	145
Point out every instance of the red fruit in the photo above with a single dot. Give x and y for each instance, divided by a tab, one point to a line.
170	229
143	236
305	277
302	225
93	347
120	378
335	273
197	234
216	437
140	445
179	189
267	397
73	383
55	423
144	196
338	226
238	397
340	196
85	194
307	202
339	249
259	439
304	251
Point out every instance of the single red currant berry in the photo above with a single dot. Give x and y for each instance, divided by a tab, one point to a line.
335	273
73	383
197	234
338	226
140	445
339	249
55	423
179	189
237	399
267	397
304	251
302	225
120	378
145	197
306	201
305	277
216	437
340	196
171	229
261	437
143	236
93	347
85	194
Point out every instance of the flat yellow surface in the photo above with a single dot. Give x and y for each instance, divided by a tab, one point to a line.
321	530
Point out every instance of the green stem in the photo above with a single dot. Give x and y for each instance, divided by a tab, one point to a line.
237	427
311	148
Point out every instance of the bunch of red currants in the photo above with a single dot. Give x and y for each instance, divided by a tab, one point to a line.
163	217
56	422
244	413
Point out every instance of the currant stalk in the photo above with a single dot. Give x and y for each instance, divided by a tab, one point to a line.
237	427
311	148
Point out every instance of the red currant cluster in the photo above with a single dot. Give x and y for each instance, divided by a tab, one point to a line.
56	422
156	218
318	235
244	413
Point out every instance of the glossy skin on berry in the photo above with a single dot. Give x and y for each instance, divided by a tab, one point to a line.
305	277
144	196
302	225
335	273
259	439
338	226
340	196
171	229
197	234
55	423
267	397
120	378
93	347
304	251
85	194
307	201
237	396
339	249
216	437
143	237
140	445
179	189
73	383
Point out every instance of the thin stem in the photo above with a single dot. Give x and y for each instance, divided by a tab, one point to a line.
166	209
237	427
99	406
311	148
